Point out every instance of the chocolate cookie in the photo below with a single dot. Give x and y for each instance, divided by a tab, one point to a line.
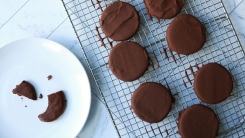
151	102
186	34
25	89
119	21
56	107
213	83
128	61
198	121
163	9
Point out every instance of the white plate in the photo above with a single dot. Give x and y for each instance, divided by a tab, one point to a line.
33	59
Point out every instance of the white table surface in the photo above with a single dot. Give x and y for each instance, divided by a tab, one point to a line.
48	19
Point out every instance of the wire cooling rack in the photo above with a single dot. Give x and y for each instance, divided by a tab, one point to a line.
172	70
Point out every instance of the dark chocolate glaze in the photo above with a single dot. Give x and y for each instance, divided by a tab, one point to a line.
25	89
100	38
109	42
146	131
184	83
186	34
198	121
213	83
192	71
155	56
172	55
92	3
188	78
176	94
163	9
151	102
179	56
197	66
119	21
153	131
99	7
160	131
56	107
128	61
165	53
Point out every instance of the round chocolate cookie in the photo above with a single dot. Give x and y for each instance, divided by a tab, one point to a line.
119	21
186	34
163	9
128	61
213	83
198	121
151	102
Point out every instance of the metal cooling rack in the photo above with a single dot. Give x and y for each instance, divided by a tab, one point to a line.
172	70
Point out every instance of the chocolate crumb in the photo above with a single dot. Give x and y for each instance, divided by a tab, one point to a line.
40	96
49	77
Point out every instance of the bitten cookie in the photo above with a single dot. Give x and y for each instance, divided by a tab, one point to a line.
25	89
56	107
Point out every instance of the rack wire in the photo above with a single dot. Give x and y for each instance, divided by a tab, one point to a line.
168	68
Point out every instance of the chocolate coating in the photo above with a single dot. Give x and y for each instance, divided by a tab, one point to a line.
163	9
213	83
56	107
25	89
198	121
119	21
186	34
151	102
128	61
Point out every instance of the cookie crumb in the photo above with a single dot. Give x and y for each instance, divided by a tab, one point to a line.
40	96
49	77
